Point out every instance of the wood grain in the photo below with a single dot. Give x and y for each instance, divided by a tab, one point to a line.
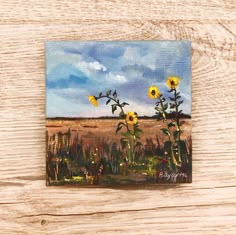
207	206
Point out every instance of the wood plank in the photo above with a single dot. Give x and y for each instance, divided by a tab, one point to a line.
207	206
70	11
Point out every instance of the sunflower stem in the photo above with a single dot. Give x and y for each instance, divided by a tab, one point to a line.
164	116
119	105
165	120
134	142
177	123
130	151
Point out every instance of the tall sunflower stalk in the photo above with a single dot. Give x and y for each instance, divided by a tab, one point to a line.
172	83
130	122
161	108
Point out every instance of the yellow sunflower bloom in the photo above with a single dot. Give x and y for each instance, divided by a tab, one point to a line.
93	100
153	92
172	82
131	118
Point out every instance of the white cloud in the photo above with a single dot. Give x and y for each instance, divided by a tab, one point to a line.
116	77
106	72
90	68
97	66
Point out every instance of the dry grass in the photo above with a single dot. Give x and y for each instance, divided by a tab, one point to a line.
91	130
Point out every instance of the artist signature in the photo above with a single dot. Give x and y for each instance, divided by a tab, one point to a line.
172	176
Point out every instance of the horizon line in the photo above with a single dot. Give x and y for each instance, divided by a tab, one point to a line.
109	117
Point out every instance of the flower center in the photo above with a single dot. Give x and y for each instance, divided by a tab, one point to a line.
172	82
153	92
131	118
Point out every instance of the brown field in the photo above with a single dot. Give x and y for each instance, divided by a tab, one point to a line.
92	153
92	130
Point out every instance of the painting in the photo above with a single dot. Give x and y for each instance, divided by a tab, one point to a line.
118	113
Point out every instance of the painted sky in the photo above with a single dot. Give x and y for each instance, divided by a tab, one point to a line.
75	70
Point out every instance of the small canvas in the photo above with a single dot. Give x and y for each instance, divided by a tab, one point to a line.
118	113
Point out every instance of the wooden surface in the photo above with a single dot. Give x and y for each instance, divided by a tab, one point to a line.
207	206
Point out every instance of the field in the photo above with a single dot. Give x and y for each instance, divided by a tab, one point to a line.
92	129
88	151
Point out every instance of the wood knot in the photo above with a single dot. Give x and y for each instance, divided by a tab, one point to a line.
43	222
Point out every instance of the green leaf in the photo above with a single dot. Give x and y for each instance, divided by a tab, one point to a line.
175	134
121	123
172	99
180	102
125	134
178	97
138	130
123	142
108	101
171	124
109	92
165	106
131	132
119	127
123	104
158	109
113	108
136	127
114	94
100	94
165	131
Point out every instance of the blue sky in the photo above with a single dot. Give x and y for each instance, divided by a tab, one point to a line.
77	69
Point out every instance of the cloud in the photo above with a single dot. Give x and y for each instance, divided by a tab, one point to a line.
78	69
142	71
115	78
97	66
94	50
90	67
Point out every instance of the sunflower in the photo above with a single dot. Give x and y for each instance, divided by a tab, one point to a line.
131	118
153	92
172	82
93	100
